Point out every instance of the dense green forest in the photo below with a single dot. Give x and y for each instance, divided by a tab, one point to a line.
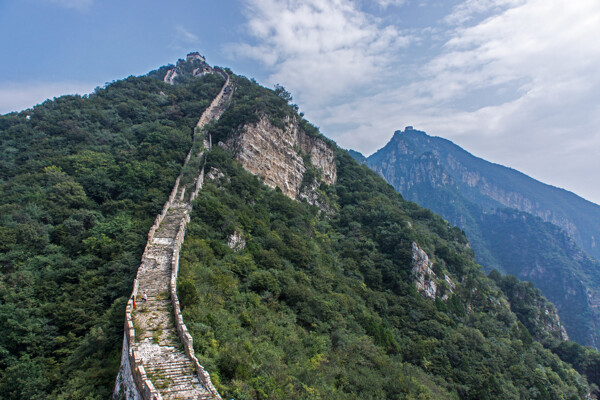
466	190
322	304
323	307
81	181
318	304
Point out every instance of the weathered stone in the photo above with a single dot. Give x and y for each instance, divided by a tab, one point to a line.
201	68
153	366
214	174
423	274
236	241
275	154
426	280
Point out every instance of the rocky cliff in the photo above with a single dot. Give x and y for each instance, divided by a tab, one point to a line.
502	212
473	179
283	156
533	310
491	185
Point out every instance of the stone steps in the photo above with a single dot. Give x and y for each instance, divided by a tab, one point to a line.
157	344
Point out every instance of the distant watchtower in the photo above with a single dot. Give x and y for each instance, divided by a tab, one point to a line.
409	128
195	56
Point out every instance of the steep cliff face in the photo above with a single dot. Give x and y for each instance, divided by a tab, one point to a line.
491	185
282	156
473	179
533	310
502	212
426	170
550	320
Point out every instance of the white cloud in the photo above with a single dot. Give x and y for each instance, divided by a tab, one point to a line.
387	3
19	96
186	35
81	5
183	40
319	48
470	9
515	81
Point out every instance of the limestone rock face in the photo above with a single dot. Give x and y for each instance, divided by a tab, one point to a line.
547	320
321	156
423	272
509	198
275	154
214	174
425	278
553	324
236	241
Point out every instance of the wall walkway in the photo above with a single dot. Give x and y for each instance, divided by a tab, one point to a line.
158	360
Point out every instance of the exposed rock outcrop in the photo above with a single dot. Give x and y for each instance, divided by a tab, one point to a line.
552	322
426	280
276	155
236	242
214	174
512	199
498	209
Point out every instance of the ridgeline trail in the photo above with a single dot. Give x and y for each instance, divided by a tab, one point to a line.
158	360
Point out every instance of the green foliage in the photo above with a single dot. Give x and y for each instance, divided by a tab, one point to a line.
585	360
251	101
323	306
316	305
81	183
473	194
538	316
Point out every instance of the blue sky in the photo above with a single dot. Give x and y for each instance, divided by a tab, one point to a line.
513	81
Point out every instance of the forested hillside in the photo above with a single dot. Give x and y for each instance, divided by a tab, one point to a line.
485	200
82	179
284	299
320	302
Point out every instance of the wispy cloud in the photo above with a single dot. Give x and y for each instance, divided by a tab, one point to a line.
186	35
387	3
183	39
319	48
469	10
514	81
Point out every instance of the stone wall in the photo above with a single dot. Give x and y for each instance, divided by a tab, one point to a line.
220	102
184	335
132	370
133	382
163	213
126	385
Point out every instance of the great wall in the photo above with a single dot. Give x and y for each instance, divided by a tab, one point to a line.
158	360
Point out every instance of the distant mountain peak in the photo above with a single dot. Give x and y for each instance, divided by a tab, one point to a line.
407	129
502	212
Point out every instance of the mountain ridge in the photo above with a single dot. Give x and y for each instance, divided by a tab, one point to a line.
359	294
523	183
470	192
